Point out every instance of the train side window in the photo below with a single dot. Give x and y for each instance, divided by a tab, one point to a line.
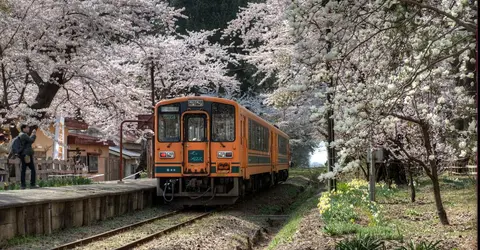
242	127
223	122
282	145
250	134
258	137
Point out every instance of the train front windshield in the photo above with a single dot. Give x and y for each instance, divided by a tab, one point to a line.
195	125
169	124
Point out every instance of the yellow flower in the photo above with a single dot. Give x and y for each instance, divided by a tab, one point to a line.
357	183
324	203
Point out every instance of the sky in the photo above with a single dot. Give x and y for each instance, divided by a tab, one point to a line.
320	154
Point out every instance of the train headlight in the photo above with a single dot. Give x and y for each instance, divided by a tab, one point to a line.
224	154
167	154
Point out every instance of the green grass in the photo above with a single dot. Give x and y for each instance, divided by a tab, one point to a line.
19	240
305	202
420	219
270	209
310	173
381	232
57	182
365	242
412	212
400	221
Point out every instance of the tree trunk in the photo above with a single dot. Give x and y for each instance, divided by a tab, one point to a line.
5	88
433	175
365	173
438	198
47	90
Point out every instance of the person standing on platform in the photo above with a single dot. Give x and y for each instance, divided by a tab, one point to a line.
4	147
26	155
4	150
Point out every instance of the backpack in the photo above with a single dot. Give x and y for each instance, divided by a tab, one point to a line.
16	147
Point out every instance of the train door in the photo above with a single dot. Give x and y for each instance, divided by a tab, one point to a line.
196	143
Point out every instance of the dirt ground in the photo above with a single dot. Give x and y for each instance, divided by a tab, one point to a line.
416	221
309	235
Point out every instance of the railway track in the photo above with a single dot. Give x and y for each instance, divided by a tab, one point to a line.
128	237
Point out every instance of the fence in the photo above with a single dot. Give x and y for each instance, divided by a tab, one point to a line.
463	170
10	170
461	167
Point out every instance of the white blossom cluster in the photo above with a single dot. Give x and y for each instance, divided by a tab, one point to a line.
96	56
400	72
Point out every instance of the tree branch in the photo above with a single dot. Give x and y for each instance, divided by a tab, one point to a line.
405	118
418	72
22	94
470	27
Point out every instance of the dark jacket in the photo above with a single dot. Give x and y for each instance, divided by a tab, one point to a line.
27	142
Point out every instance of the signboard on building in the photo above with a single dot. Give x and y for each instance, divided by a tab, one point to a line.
59	143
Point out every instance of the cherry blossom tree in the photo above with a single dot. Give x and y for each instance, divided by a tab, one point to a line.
186	64
268	44
93	57
51	46
399	74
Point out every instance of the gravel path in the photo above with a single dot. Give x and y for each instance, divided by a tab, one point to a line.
140	232
249	225
72	234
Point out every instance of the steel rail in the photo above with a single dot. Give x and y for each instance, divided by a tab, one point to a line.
150	237
111	232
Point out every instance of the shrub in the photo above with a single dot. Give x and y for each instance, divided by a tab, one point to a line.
423	245
348	203
457	183
361	243
57	182
69	181
349	210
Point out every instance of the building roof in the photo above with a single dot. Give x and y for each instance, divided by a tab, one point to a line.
127	154
80	139
147	121
72	123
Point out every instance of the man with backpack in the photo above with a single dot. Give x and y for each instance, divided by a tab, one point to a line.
22	147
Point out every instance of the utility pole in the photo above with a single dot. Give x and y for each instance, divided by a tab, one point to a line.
332	183
371	188
152	154
152	84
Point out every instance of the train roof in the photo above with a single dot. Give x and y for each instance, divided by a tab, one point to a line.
205	98
216	99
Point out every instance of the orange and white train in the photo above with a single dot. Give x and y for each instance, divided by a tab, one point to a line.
211	151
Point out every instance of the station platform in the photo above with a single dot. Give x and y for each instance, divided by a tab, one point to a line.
44	210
